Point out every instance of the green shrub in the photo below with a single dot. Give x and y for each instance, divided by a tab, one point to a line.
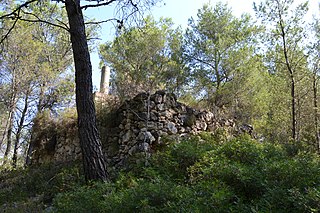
144	196
263	177
242	150
83	199
38	183
199	174
219	136
175	160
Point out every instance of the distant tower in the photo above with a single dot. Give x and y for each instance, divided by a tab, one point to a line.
105	78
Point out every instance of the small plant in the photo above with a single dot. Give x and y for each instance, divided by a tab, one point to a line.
175	160
198	174
37	184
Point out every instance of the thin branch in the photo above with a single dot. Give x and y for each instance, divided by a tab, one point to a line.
11	28
90	39
134	5
39	20
137	115
97	5
64	24
101	22
18	9
15	14
46	22
60	1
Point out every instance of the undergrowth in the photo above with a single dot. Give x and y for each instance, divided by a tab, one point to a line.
200	174
33	189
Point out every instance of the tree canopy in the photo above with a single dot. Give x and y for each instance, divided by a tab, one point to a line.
261	71
145	58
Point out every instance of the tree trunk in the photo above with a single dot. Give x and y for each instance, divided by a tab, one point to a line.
291	75
4	135
293	110
5	132
30	150
41	97
93	158
19	130
12	110
315	108
9	135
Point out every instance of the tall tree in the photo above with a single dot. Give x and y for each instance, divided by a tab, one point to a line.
225	70
34	60
17	76
145	58
285	33
315	67
217	45
93	159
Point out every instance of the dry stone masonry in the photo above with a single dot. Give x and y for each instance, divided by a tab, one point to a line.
139	127
55	140
147	119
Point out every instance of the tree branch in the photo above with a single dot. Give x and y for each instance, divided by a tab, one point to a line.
17	10
97	5
101	22
38	20
46	22
11	28
15	14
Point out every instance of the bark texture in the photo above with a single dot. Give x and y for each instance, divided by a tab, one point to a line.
292	79
19	129
93	158
315	108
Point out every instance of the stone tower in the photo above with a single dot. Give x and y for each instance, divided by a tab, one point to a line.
105	78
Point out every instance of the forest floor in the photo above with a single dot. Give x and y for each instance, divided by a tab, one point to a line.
206	174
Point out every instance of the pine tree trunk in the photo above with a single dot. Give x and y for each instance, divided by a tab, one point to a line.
4	135
10	121
293	110
292	78
30	150
5	132
315	108
93	158
9	136
19	130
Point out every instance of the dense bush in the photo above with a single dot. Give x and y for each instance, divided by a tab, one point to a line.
175	160
31	189
264	177
200	175
206	173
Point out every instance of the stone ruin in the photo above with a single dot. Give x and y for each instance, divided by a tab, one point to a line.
147	121
131	133
134	131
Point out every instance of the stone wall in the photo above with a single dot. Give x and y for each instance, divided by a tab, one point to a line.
138	127
55	139
143	123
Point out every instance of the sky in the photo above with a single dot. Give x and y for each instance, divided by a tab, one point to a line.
179	10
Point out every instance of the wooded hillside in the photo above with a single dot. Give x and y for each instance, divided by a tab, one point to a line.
261	71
